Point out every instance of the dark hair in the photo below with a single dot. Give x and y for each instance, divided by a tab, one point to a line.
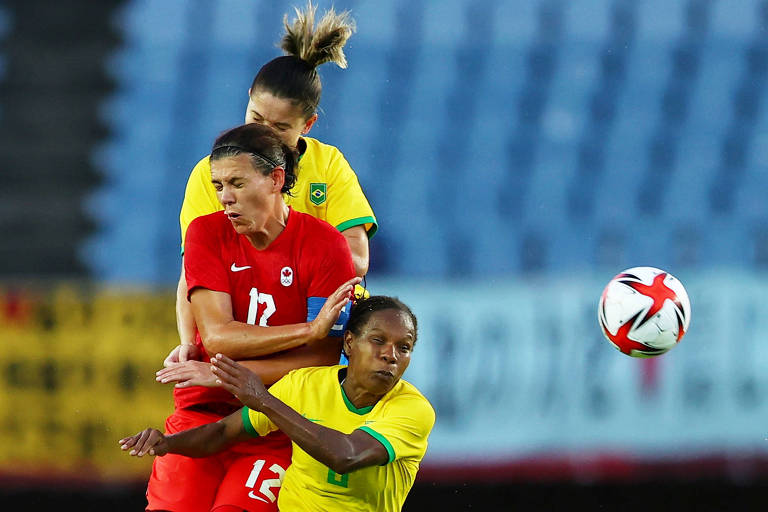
294	76
265	148
364	308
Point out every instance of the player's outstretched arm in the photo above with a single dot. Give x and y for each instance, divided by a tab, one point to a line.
222	334
324	352
196	442
340	452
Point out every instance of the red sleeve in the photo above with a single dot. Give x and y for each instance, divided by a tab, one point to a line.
203	264
332	266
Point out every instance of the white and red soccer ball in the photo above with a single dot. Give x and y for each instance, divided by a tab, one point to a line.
644	311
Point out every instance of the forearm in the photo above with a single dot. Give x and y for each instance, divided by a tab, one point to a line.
326	445
271	368
200	441
185	320
239	340
339	451
221	334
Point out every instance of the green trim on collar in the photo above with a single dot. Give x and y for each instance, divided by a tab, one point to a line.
351	406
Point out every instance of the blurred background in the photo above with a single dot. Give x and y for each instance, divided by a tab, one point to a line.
518	154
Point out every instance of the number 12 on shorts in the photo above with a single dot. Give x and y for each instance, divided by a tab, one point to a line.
267	485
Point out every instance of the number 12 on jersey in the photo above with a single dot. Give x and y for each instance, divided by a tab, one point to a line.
253	307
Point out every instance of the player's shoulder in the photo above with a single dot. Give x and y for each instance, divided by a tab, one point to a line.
316	148
404	391
211	222
316	374
408	389
203	166
323	160
316	229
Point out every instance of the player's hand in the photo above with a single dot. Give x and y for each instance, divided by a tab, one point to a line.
239	380
149	441
330	311
181	353
188	373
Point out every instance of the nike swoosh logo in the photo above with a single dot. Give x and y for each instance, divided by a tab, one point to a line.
368	422
251	495
235	268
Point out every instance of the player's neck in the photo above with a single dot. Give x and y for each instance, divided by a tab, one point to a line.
275	224
358	395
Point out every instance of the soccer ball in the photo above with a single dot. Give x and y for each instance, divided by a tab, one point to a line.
644	311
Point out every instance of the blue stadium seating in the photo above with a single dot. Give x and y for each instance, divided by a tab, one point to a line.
492	138
5	23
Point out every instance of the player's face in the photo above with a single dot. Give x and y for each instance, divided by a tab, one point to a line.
381	353
249	198
280	114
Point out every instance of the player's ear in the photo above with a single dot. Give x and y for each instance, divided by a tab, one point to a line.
278	178
308	124
348	336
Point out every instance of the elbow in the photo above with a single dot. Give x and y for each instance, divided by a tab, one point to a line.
342	465
361	265
220	339
345	457
360	262
213	342
346	463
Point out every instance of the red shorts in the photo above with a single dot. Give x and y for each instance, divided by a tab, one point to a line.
247	475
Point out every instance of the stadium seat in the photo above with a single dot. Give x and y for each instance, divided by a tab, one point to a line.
582	119
5	22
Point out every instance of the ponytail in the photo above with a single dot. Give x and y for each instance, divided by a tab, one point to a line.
321	44
294	76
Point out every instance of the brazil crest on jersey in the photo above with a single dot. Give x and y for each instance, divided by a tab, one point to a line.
269	287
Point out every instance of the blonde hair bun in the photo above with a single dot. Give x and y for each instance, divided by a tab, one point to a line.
319	44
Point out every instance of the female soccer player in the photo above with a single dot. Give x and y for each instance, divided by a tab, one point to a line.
359	432
285	95
266	283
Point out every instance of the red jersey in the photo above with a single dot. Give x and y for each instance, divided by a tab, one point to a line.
269	287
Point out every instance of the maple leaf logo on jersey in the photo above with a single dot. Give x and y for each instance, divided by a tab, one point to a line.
286	276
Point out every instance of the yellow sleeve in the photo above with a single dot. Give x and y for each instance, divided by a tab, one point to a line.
258	424
347	204
403	427
199	196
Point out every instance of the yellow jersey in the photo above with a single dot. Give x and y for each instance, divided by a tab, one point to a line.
326	188
401	421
